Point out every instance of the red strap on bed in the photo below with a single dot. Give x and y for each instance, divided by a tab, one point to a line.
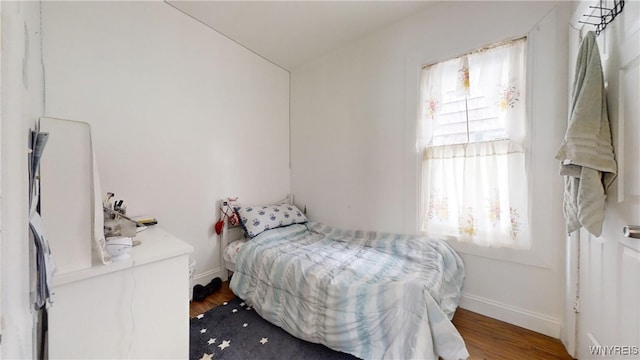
228	214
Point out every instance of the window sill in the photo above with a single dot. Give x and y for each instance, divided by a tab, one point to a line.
535	256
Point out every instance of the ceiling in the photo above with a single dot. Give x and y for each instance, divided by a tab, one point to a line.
292	33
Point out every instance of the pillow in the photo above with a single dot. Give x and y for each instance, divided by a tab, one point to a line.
256	219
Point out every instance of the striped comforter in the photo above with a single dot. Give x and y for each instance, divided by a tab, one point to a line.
373	295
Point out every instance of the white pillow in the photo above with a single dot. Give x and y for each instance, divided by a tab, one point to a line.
256	219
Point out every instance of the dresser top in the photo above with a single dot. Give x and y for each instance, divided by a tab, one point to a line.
156	245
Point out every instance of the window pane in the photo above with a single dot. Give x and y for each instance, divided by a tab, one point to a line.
451	118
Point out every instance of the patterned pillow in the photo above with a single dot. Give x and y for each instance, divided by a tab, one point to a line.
256	219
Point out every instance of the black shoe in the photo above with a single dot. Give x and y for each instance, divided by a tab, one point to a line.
199	293
214	285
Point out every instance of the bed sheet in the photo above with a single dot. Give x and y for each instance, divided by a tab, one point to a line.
232	250
373	295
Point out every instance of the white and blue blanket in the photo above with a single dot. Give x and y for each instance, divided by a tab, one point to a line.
373	295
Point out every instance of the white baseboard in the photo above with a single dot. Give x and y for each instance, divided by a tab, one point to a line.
204	278
513	315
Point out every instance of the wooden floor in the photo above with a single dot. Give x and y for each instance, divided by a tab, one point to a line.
486	338
211	301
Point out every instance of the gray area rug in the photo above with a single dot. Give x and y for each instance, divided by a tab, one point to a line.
235	331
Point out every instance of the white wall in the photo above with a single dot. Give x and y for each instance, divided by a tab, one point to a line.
21	106
354	162
181	115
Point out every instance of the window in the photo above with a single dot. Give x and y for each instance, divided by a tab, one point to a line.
472	129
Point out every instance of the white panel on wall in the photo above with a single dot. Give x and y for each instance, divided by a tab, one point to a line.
66	184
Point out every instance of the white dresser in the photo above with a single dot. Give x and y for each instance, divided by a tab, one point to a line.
131	309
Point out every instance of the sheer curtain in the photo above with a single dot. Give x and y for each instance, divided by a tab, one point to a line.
474	183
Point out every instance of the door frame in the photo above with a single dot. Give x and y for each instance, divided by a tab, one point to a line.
568	335
572	316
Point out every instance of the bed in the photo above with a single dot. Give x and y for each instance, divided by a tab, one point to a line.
373	295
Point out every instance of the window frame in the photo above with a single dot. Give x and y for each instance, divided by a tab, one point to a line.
447	82
545	66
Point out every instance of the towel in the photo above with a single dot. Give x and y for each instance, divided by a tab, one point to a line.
587	158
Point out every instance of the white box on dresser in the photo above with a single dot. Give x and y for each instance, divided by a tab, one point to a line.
133	308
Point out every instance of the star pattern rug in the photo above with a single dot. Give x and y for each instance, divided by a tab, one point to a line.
235	331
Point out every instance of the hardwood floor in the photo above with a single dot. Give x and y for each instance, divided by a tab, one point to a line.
486	338
211	301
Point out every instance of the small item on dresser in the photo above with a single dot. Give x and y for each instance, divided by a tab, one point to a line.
119	247
118	224
145	220
117	206
116	221
200	292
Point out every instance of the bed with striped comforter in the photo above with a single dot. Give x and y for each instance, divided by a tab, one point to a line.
373	295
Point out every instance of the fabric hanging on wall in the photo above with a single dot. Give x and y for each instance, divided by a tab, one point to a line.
45	264
477	193
586	153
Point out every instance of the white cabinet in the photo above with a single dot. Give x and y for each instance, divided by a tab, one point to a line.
132	308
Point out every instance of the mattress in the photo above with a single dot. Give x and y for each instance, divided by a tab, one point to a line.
373	295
